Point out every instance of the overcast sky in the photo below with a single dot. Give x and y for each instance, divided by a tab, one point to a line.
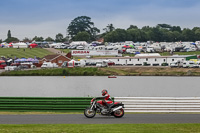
29	18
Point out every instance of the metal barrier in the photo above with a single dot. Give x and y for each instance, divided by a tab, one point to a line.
132	104
44	103
160	104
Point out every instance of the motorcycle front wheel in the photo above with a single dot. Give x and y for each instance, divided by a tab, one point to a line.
119	113
89	113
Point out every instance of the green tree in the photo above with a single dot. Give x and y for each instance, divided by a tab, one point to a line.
133	34
49	39
38	39
197	35
196	31
80	24
148	33
26	39
119	35
59	37
165	26
188	35
109	28
132	27
176	28
11	39
9	34
82	36
176	36
156	34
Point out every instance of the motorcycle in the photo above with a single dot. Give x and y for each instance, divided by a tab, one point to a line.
116	109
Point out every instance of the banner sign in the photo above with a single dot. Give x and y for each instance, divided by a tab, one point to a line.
94	52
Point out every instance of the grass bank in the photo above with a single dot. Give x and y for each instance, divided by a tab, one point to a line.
118	71
57	72
152	71
24	52
99	128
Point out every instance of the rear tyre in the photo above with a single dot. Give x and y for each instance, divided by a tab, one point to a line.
119	113
89	113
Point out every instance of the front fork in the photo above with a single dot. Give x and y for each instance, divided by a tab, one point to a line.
93	106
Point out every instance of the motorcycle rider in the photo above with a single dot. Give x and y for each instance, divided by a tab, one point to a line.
107	100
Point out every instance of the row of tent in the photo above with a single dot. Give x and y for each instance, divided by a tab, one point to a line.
22	60
26	60
18	45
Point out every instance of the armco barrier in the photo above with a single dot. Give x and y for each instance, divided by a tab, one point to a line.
160	104
44	103
132	104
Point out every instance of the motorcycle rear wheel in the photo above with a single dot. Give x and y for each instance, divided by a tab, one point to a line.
118	113
89	113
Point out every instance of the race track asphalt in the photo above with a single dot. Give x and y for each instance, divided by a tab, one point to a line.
98	119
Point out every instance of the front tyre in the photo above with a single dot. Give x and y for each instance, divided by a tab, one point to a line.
119	113
89	113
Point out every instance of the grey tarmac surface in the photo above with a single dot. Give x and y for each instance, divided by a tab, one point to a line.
98	119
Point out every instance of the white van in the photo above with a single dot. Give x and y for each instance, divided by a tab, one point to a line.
49	65
80	63
190	64
174	64
101	64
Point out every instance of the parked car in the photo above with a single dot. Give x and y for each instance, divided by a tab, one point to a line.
64	46
72	47
80	63
64	64
80	48
174	64
26	64
49	65
101	64
111	63
15	64
190	64
2	64
12	68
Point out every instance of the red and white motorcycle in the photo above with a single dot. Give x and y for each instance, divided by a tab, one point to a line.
116	109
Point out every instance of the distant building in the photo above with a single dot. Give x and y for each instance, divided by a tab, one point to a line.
143	60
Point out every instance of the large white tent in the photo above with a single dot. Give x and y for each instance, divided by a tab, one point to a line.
20	45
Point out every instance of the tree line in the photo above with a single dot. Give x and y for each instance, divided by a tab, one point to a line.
58	38
160	33
82	29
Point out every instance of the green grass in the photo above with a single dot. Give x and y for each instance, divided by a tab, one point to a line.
100	128
180	53
88	71
93	71
39	52
28	53
65	50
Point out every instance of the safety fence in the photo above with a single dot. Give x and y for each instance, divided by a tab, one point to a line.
44	103
160	104
70	104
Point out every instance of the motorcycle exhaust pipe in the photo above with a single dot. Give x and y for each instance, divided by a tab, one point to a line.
117	108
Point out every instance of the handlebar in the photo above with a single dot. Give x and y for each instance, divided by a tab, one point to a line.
93	99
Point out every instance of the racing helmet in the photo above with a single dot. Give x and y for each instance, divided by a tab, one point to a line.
104	92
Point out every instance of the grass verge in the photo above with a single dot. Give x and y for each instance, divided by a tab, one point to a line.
100	128
118	71
88	71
